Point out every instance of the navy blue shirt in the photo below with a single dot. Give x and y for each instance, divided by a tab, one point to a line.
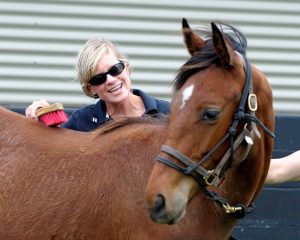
90	117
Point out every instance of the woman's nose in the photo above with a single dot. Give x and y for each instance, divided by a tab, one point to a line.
110	78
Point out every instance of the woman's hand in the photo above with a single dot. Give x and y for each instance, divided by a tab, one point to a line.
30	111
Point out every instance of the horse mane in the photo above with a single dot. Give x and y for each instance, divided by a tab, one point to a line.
207	55
154	119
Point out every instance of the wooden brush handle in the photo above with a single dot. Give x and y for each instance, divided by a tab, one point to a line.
51	108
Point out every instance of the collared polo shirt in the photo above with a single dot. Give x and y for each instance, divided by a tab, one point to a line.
90	117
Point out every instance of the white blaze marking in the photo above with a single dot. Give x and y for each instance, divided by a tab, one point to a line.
186	95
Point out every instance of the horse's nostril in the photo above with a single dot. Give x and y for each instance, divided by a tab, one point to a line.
159	206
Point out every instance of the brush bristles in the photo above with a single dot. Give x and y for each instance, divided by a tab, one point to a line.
52	115
54	118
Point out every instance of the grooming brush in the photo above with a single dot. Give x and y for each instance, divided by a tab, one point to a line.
52	115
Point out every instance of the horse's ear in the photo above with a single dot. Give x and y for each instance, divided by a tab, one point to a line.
191	39
222	47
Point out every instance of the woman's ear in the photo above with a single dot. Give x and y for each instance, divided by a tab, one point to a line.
127	68
90	89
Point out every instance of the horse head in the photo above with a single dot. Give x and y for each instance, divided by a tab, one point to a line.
217	142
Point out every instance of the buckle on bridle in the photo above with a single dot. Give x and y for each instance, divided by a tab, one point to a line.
230	209
211	178
252	102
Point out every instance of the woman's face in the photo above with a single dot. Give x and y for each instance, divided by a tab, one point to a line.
116	88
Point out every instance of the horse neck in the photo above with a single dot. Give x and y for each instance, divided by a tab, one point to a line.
126	156
128	144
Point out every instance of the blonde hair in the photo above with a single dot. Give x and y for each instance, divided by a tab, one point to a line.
89	56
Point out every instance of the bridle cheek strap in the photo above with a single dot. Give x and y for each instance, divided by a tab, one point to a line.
210	177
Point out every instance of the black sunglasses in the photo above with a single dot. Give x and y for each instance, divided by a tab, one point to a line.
113	71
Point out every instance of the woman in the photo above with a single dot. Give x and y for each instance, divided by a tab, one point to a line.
105	73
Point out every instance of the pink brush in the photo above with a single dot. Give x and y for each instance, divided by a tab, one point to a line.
52	115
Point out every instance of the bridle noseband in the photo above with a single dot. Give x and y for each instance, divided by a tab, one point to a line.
206	177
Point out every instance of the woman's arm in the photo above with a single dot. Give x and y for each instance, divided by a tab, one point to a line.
286	169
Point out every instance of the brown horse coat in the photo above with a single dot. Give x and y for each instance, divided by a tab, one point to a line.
62	184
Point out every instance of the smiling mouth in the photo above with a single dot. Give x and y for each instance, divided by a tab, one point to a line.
115	88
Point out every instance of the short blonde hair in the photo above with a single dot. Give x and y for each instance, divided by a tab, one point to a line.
89	56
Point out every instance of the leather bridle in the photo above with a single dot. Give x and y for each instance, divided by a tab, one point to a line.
206	177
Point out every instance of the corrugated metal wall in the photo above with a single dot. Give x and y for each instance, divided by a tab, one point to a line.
39	41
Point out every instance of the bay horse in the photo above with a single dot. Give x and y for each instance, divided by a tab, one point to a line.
61	184
218	142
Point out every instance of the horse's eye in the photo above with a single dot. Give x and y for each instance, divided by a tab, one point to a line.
210	115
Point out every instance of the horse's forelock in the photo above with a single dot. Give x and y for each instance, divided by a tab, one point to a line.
206	55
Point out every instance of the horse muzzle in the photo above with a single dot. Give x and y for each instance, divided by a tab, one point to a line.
160	211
